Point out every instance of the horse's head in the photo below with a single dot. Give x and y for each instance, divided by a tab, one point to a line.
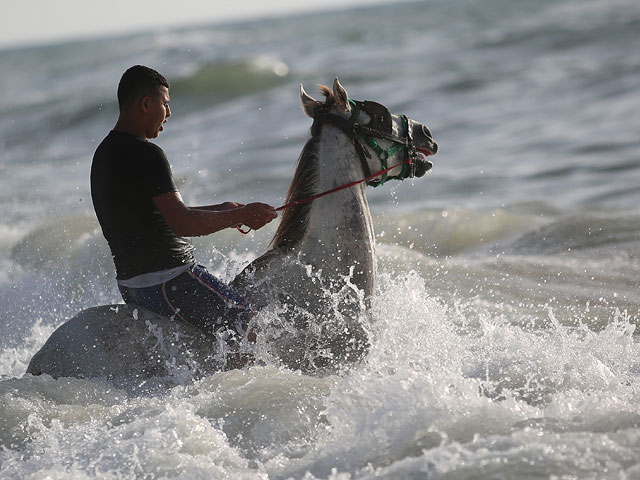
392	146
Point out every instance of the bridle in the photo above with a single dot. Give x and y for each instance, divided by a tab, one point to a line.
380	127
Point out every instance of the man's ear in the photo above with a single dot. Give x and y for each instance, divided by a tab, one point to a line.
144	103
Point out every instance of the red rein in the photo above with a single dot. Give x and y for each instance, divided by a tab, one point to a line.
328	192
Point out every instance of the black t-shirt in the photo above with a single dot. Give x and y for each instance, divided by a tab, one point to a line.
126	174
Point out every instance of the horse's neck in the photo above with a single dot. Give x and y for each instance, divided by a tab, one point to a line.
340	232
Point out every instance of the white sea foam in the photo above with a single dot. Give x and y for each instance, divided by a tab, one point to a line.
440	392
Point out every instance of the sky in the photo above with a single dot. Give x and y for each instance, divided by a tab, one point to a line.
24	22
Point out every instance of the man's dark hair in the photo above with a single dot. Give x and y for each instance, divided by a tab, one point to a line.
137	82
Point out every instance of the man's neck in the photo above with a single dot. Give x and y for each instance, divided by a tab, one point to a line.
124	125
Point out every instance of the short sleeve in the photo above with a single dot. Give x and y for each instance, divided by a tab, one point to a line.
158	177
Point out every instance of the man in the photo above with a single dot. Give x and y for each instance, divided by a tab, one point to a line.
144	219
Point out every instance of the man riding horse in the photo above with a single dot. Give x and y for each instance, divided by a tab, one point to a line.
317	278
144	219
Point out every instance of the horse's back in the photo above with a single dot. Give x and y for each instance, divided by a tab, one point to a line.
120	342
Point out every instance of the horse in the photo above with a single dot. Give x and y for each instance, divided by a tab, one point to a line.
318	275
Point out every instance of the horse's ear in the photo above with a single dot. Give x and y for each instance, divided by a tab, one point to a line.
340	96
309	104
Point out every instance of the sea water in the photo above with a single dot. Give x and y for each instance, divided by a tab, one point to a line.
503	326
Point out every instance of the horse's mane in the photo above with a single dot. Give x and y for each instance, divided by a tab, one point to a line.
294	219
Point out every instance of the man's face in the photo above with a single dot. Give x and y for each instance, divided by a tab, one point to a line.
158	112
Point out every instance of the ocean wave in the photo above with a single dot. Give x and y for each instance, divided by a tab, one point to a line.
581	232
46	245
535	229
451	231
223	81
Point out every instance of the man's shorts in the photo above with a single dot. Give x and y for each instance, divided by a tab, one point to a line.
195	297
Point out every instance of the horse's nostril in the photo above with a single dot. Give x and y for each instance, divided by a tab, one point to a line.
422	166
426	131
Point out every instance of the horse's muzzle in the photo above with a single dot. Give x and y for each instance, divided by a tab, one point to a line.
425	147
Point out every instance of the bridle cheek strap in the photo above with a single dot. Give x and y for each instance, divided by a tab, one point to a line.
400	144
364	136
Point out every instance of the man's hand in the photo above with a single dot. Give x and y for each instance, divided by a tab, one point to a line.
256	215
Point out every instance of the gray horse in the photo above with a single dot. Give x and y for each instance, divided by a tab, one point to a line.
317	276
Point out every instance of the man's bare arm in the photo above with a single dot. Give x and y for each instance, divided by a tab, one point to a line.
220	206
195	221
